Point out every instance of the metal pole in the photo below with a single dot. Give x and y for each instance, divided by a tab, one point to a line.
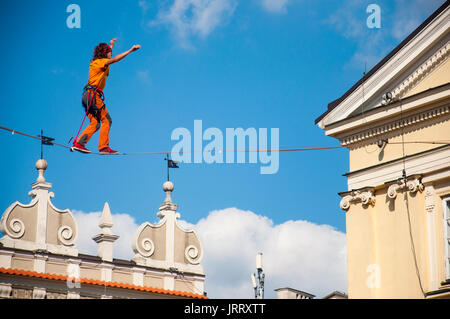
167	158
42	144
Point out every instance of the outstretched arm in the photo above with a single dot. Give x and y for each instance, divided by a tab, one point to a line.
120	56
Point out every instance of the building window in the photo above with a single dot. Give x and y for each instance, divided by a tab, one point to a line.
447	235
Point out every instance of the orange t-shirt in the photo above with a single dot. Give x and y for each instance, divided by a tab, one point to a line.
98	73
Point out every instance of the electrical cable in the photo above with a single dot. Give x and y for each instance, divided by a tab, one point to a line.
290	150
155	153
404	179
422	142
411	237
28	135
316	148
362	105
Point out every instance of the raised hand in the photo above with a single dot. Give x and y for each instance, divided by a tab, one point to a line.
111	43
135	47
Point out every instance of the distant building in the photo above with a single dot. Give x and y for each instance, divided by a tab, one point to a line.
395	123
290	293
336	295
38	257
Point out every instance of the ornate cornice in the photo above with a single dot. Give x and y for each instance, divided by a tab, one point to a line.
365	195
394	125
413	184
430	64
393	65
435	60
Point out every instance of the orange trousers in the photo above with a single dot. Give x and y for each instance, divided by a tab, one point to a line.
102	122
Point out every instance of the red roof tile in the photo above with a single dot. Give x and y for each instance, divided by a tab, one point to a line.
19	272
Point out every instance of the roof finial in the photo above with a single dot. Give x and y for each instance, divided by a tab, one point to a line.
41	166
168	205
105	239
106	222
168	188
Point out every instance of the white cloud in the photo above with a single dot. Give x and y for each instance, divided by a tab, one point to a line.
275	6
296	254
188	18
199	18
124	226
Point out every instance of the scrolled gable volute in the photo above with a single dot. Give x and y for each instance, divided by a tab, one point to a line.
39	225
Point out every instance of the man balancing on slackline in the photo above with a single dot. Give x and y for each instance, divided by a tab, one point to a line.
92	98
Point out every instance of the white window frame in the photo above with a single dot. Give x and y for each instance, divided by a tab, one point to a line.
446	215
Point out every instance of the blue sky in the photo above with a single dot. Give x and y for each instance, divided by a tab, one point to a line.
230	63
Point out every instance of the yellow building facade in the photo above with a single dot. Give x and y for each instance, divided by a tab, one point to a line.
395	123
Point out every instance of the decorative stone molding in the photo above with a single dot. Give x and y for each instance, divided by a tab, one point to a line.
34	262
395	125
166	244
425	40
439	57
39	225
143	245
168	205
429	199
105	240
148	247
192	254
365	195
65	235
16	228
413	185
436	59
431	238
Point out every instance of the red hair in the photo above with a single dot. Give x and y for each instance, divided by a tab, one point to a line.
101	51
